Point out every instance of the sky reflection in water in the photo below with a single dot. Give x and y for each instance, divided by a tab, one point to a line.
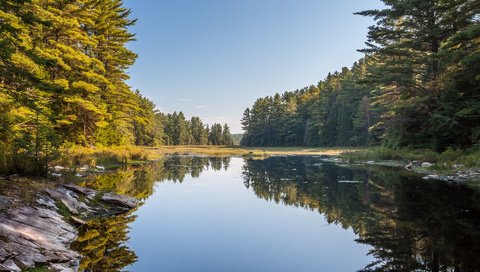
288	214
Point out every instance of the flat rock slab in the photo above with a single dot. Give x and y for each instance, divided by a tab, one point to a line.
121	200
5	201
36	235
89	193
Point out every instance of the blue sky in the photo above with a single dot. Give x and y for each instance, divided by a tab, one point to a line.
214	58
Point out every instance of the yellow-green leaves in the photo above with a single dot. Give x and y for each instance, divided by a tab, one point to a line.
28	65
82	85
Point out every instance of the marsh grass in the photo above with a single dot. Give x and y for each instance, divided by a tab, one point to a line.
79	156
245	151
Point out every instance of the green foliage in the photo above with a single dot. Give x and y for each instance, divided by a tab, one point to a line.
335	112
38	269
180	131
426	56
417	87
62	82
63	210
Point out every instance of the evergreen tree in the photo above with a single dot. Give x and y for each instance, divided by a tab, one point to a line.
226	136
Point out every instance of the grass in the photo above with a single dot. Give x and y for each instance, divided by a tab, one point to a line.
79	156
244	151
63	210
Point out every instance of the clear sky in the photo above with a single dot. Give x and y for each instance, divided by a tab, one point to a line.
214	58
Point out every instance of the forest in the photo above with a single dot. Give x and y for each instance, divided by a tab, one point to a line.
417	86
63	72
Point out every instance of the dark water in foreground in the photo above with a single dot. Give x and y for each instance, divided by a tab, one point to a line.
282	214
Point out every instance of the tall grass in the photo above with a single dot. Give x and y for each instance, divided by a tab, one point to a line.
91	156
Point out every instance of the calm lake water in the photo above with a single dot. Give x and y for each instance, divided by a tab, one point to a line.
296	213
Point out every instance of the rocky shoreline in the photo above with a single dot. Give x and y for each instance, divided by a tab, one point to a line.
427	170
40	234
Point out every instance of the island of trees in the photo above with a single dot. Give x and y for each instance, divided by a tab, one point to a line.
62	82
418	86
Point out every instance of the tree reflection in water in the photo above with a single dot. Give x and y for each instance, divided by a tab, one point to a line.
102	241
411	224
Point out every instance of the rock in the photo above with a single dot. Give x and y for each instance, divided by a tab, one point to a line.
5	201
36	235
100	167
14	177
416	163
11	266
59	168
89	193
25	261
60	268
46	201
431	177
3	268
349	181
409	166
83	168
68	198
70	208
441	178
427	164
125	201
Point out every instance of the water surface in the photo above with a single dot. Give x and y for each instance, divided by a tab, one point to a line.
297	213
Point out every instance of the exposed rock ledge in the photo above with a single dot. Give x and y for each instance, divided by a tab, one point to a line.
40	234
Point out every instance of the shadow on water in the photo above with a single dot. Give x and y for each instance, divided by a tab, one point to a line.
410	224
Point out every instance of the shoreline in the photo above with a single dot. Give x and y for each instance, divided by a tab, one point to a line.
37	232
451	165
42	207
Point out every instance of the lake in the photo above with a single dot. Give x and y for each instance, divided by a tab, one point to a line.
290	213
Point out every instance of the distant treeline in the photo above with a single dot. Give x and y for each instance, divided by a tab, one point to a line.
418	86
179	131
62	82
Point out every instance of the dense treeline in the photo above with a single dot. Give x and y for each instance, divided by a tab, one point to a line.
418	86
180	131
336	112
62	82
